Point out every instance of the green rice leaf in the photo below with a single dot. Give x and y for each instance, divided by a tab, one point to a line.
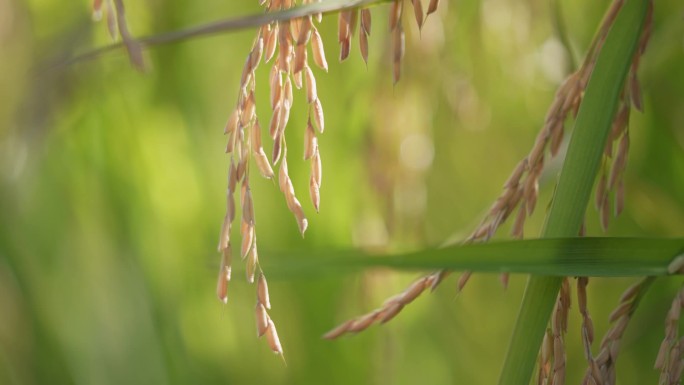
576	180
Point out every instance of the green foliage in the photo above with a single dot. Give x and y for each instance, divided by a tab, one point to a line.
586	257
112	190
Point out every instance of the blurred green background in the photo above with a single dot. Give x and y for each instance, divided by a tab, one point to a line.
112	188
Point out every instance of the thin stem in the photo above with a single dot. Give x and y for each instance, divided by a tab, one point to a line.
227	25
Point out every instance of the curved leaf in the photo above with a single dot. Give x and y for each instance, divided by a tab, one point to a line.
596	257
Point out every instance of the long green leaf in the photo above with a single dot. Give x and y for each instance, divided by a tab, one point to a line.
595	257
232	24
575	183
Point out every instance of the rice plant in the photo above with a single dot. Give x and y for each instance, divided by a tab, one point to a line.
586	130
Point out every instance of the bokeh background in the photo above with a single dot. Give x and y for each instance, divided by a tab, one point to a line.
112	188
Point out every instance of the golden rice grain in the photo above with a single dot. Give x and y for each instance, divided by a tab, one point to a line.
251	262
433	6
298	212
276	83
287	95
398	50
283	177
314	193
318	115
274	126
230	216
343	27
310	141
621	310
519	224
413	291
232	123
345	49
257	53
224	236
462	280
311	92
366	21
600	190
418	12
395	14
277	148
224	275
248	209
284	46
246	74
363	46
262	319
270	42
318	51
272	338
255	136
247	232
390	312
304	31
316	167
262	291
300	59
362	323
248	109
339	330
297	79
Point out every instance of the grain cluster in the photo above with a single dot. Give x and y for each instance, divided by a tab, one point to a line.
601	367
286	45
552	352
